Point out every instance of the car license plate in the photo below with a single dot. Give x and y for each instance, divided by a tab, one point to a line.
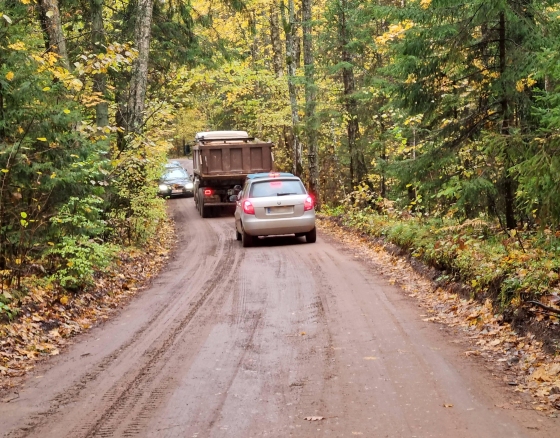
176	191
280	210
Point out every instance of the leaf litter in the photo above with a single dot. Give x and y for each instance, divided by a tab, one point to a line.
50	316
521	362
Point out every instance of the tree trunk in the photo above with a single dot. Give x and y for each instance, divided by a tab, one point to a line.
357	161
276	41
255	42
98	42
310	99
509	196
383	188
139	79
52	27
2	113
289	29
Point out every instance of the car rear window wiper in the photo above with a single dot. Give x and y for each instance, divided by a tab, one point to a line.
285	194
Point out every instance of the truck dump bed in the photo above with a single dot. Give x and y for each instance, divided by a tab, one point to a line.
227	154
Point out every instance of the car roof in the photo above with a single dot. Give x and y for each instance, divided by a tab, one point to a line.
271	175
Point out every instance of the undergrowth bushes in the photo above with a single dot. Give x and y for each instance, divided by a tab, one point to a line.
136	210
511	268
71	195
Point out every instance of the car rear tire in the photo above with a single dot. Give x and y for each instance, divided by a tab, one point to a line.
311	237
204	211
246	240
237	235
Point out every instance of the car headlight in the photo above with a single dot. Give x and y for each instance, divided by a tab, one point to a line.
163	188
189	185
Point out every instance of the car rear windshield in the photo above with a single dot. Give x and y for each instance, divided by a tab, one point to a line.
277	187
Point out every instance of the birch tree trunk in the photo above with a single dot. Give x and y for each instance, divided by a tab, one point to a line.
139	79
52	27
275	40
290	31
98	42
310	99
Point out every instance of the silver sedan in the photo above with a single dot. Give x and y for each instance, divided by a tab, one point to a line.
274	204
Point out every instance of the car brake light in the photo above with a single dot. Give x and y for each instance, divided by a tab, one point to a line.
276	184
207	192
248	207
308	204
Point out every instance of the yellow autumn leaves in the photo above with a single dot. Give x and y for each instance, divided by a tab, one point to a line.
18	46
525	84
395	32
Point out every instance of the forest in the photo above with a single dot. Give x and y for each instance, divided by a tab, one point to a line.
431	124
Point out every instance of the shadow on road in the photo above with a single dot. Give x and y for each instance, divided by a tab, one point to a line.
279	241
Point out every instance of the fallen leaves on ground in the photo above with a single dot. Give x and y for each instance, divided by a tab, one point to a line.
49	317
520	361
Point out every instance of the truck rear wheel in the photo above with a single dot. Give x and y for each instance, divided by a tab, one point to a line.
200	201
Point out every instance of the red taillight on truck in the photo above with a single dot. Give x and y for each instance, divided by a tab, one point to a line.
308	204
208	192
248	207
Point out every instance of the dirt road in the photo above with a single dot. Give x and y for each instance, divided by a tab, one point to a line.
234	342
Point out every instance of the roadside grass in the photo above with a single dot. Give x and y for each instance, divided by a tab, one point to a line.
512	268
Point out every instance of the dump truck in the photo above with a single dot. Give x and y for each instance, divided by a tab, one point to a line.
221	162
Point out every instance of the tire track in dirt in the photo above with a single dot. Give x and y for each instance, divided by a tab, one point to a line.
311	389
256	323
76	391
180	354
121	400
136	382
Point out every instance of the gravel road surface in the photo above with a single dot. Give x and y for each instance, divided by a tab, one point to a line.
234	342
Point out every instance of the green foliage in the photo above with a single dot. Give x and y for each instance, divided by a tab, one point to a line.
462	71
7	311
455	105
78	258
510	268
79	251
48	154
80	217
136	211
65	195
